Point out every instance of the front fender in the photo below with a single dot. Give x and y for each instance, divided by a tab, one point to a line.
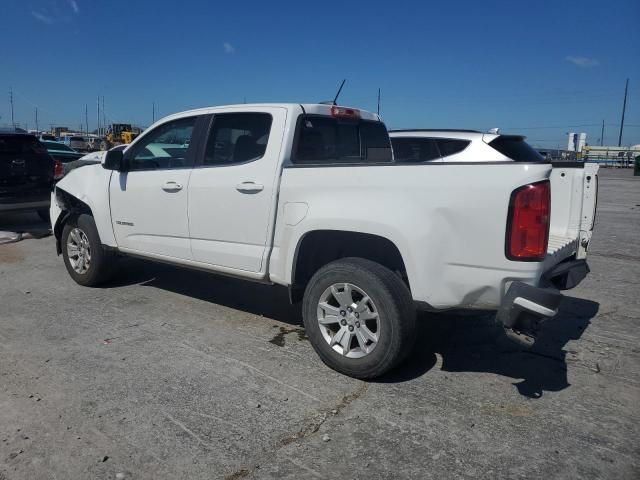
90	186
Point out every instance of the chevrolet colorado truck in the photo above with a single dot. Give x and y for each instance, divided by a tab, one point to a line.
309	196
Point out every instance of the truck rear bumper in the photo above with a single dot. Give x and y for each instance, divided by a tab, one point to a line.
22	206
567	274
523	309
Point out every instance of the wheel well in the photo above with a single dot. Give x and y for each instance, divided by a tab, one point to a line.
71	207
320	247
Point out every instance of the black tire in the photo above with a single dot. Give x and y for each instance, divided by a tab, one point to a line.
396	316
100	267
44	215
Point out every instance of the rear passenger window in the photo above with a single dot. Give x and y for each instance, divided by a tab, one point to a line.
449	146
323	140
414	150
237	138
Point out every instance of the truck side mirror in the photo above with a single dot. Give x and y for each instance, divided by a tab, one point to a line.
114	160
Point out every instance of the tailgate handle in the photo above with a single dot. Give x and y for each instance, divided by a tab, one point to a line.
249	187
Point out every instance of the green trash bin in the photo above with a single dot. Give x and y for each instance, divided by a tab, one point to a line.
636	167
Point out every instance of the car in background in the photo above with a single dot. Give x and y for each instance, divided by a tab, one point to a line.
27	174
59	151
460	146
76	142
94	143
47	137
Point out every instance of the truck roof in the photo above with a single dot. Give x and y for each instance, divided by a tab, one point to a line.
309	108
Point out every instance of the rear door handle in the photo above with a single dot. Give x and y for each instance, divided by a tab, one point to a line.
171	186
249	187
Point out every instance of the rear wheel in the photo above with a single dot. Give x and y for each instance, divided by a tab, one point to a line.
87	261
359	317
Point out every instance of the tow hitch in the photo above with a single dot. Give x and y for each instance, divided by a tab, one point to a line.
523	310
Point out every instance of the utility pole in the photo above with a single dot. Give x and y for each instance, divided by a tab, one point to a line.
153	113
37	128
624	107
13	123
104	116
378	101
98	117
602	134
86	117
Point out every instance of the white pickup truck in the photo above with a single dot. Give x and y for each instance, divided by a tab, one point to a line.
310	196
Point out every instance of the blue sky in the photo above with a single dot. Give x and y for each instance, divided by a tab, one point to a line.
538	68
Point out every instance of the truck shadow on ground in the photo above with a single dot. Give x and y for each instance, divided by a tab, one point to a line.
466	342
475	343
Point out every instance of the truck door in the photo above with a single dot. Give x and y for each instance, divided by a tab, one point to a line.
233	189
149	200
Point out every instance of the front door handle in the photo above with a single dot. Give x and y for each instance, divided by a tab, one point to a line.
171	186
249	187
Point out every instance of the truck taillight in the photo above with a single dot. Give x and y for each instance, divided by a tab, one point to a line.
528	222
58	170
344	112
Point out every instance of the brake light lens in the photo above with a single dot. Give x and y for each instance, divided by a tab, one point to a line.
344	112
528	222
58	170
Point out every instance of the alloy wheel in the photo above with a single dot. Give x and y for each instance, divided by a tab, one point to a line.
348	320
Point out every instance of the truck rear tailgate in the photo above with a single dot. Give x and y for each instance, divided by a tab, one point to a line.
573	204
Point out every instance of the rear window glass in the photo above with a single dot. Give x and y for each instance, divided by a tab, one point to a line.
77	139
414	149
450	146
57	146
516	149
18	144
330	140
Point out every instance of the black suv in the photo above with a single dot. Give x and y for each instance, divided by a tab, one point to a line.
27	174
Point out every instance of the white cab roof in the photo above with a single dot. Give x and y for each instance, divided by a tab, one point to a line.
310	108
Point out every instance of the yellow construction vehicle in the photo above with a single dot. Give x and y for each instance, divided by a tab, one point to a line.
118	134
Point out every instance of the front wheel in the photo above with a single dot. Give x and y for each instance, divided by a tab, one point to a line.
87	261
359	317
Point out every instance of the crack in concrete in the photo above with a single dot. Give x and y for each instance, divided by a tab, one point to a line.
311	426
316	422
